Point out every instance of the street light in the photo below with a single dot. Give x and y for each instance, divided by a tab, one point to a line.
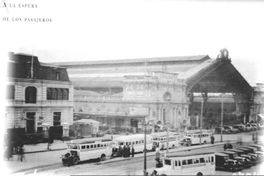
222	116
145	145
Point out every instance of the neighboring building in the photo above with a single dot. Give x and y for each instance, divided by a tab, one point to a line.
258	106
38	95
122	93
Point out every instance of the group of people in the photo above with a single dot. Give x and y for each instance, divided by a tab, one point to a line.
124	151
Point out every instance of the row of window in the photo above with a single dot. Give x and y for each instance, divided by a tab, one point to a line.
31	93
93	146
189	161
132	143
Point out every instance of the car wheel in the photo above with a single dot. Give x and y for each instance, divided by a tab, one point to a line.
102	157
75	160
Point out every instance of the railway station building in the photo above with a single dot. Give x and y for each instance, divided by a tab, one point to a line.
179	92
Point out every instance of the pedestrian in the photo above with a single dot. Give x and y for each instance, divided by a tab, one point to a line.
225	146
133	151
157	158
128	151
21	153
120	151
212	139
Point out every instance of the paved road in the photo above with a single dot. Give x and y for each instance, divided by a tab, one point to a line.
52	160
132	166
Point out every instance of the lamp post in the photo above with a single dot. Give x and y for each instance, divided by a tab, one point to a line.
145	145
222	116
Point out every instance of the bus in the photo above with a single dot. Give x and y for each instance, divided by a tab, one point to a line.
85	150
188	164
135	140
159	140
197	137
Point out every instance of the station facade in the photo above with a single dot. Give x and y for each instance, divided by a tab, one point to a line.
179	92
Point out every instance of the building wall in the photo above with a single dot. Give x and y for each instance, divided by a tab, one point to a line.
17	108
142	96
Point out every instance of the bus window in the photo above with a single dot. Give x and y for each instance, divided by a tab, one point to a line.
212	159
176	163
190	161
129	143
83	146
98	145
105	145
202	160
102	145
87	146
184	162
195	161
133	143
167	162
92	146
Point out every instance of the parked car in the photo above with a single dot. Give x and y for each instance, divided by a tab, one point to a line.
249	127
231	129
225	131
240	127
224	163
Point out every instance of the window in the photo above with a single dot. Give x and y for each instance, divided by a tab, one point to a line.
212	159
83	146
179	163
98	145
176	163
10	92
31	95
57	94
202	160
91	146
88	146
184	162
56	118
195	161
167	162
30	122
190	161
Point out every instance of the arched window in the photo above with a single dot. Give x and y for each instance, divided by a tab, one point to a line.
31	95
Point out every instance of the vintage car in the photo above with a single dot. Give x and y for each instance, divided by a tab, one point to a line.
223	162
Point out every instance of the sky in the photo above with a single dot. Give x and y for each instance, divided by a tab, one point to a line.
123	29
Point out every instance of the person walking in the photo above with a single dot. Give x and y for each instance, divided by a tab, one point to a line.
132	151
21	153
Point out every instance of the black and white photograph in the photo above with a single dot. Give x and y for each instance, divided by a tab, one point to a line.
132	87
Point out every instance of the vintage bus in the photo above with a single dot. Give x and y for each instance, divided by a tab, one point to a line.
85	150
188	164
159	140
135	140
197	137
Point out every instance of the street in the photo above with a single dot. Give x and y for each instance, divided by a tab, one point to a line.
49	163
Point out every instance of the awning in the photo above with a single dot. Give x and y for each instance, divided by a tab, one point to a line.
87	121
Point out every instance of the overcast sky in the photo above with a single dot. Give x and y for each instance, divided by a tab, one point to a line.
118	29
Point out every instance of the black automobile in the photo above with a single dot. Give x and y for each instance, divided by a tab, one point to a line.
246	162
224	163
70	158
253	156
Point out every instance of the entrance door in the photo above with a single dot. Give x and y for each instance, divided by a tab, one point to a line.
30	126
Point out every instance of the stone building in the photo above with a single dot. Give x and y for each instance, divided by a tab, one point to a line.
38	95
122	93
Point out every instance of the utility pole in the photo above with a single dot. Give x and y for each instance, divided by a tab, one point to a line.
145	147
